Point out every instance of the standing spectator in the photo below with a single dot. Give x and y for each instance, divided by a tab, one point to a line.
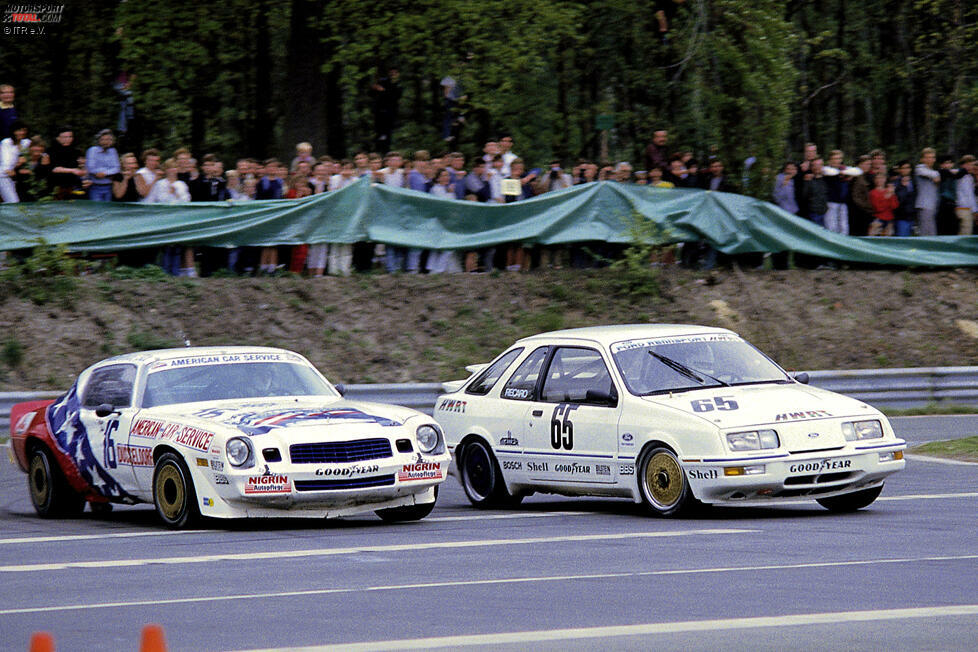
149	174
947	221
124	184
446	261
809	154
13	152
102	162
489	151
884	200
316	257
271	186
211	185
816	197
495	176
385	93
784	188
837	184
340	262
66	173
319	182
506	149
517	187
928	181
452	119
588	172
170	190
878	157
906	193
861	211
393	175
303	153
556	178
32	176
716	180
8	113
186	165
419	179
623	172
966	206
656	155
665	12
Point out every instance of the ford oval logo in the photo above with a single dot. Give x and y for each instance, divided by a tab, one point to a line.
627	437
813	435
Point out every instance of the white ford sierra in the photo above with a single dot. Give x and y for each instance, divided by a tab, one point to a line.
225	432
668	415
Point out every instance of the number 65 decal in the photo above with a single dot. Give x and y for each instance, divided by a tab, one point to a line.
716	403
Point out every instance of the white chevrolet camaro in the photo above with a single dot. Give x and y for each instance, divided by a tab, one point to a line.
671	416
225	432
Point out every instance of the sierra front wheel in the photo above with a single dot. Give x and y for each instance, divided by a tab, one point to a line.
662	482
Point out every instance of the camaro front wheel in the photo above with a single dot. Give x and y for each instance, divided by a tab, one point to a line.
173	492
482	479
851	502
408	512
50	493
662	481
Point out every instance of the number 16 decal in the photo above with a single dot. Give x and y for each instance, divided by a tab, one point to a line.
109	446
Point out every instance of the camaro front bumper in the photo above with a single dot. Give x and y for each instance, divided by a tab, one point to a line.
763	478
322	490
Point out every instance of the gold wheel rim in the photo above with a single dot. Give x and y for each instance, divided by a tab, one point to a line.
39	481
664	480
170	492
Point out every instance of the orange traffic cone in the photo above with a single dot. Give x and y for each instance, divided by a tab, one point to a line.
153	639
42	642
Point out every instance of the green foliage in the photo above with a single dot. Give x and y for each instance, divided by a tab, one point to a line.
145	273
140	340
12	352
638	273
47	274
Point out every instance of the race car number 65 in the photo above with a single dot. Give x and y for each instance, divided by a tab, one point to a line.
707	405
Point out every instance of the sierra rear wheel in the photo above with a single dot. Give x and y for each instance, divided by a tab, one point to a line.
662	482
50	492
173	492
850	502
481	478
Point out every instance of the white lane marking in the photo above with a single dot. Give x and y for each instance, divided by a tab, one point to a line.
84	537
458	583
964	494
522	638
479	517
938	460
324	552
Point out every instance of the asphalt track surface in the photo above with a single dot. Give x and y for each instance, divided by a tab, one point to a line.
556	574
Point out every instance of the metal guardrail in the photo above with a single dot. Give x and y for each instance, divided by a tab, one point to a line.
893	388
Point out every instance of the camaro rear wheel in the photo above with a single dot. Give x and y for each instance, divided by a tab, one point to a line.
50	492
481	478
851	502
663	484
173	492
408	512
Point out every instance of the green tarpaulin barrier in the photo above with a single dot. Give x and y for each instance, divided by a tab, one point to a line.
602	211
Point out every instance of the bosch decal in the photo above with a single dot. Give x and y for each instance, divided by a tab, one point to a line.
511	465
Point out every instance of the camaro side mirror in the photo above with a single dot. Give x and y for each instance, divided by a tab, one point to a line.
104	410
802	378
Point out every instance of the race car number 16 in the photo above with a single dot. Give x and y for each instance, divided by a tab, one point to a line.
109	446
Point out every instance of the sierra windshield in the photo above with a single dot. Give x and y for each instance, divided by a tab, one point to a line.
683	363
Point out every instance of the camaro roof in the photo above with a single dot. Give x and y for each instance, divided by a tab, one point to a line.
143	357
607	335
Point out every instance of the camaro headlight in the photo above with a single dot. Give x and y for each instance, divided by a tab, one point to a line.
754	440
428	438
855	430
238	450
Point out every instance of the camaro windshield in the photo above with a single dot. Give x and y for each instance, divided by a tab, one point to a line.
676	364
214	382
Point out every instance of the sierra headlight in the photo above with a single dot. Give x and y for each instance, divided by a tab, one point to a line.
428	438
238	451
856	430
754	440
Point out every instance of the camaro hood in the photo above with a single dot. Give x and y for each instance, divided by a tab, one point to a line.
757	405
261	416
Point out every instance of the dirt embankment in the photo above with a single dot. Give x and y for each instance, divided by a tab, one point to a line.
378	328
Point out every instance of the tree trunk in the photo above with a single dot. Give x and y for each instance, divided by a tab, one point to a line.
305	91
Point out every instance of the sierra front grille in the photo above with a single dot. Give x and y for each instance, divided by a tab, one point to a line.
338	452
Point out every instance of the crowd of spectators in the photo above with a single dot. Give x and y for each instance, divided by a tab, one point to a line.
869	198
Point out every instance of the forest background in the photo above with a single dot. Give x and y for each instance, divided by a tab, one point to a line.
758	78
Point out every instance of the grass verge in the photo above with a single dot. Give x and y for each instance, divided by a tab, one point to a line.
964	450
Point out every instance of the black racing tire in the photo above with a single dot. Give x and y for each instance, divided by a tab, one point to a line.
406	513
850	502
663	484
482	478
51	494
173	493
